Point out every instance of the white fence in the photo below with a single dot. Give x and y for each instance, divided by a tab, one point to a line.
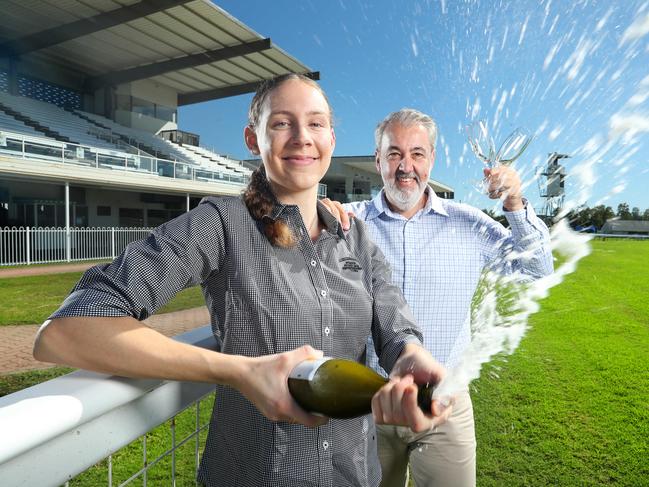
29	245
51	432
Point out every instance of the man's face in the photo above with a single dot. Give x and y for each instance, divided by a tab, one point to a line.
405	159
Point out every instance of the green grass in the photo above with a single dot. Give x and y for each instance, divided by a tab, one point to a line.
16	382
30	300
129	460
569	407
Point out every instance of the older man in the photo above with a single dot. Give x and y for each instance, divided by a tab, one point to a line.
438	250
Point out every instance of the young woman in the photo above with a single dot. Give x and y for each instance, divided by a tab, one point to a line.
272	268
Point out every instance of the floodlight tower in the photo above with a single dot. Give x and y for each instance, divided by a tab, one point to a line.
552	188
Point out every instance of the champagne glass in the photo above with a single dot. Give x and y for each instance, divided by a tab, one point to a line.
513	146
481	142
483	147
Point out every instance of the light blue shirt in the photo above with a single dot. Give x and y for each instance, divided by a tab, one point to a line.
438	256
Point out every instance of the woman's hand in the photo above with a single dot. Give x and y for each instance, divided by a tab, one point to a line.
264	381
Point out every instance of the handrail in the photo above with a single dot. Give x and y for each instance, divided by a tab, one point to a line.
68	152
55	430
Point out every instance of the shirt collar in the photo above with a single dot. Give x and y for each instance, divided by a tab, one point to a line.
332	225
330	222
379	205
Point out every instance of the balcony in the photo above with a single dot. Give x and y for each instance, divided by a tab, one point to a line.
24	147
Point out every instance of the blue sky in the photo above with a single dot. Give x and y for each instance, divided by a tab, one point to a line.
574	73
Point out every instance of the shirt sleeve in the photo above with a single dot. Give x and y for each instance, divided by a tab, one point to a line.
393	324
176	255
524	248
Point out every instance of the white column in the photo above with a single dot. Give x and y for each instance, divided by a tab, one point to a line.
68	239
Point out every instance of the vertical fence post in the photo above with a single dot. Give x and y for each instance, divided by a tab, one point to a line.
173	451
112	242
28	246
68	237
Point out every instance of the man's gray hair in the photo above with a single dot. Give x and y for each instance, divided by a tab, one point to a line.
406	117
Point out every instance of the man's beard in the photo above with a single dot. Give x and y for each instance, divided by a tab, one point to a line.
403	199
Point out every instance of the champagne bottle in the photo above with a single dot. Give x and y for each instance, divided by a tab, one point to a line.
340	388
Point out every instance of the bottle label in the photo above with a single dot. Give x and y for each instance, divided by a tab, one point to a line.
306	370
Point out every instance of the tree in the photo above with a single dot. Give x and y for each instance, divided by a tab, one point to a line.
635	213
623	211
600	214
645	215
583	218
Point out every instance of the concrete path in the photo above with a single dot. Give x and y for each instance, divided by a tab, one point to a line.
39	270
16	341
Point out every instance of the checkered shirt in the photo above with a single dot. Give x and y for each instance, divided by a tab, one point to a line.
331	294
437	258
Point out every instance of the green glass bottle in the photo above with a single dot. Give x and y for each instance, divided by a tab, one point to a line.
340	388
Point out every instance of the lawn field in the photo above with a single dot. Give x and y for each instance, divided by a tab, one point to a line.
31	300
570	407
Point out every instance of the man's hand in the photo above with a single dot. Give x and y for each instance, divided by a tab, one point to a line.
503	182
396	402
264	381
337	210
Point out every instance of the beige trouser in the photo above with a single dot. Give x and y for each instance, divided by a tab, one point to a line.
443	457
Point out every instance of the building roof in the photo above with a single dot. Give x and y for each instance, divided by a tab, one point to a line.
190	46
626	226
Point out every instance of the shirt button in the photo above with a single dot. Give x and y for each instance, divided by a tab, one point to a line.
325	444
313	263
326	330
323	293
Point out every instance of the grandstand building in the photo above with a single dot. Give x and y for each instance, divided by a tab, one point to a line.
89	129
85	87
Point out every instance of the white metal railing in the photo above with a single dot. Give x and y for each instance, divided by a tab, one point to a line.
632	236
43	149
53	431
41	245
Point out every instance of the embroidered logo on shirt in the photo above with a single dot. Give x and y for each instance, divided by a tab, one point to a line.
350	264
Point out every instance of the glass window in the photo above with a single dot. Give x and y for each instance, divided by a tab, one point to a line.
143	107
131	217
156	217
123	102
80	216
165	113
45	215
